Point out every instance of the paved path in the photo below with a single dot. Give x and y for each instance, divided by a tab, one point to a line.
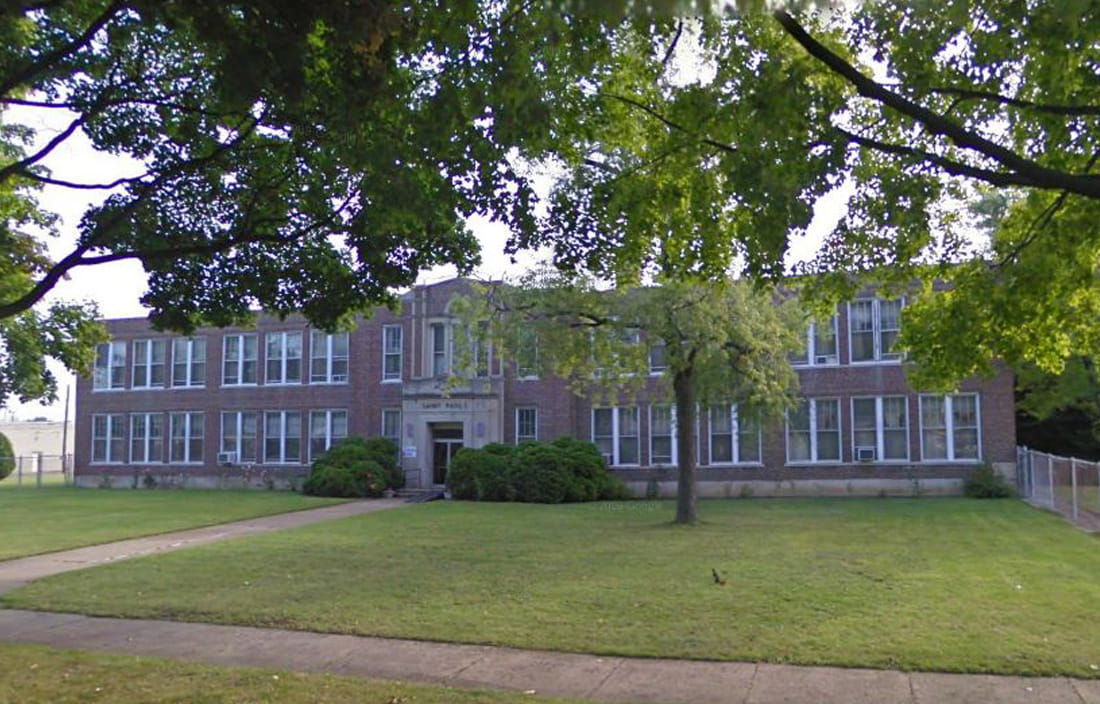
558	674
549	673
16	573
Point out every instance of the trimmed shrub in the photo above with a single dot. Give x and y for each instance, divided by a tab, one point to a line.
366	468
540	474
480	475
364	478
985	483
7	457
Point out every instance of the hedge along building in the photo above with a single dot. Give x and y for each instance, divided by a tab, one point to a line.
240	402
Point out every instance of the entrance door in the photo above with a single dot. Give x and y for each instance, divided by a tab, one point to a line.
446	441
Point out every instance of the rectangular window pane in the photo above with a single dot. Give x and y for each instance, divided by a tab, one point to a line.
825	342
526	424
861	322
889	326
748	437
721	435
660	432
603	432
933	415
864	425
628	435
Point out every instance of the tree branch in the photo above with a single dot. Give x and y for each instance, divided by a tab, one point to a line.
83	186
1035	174
45	61
969	94
669	123
20	167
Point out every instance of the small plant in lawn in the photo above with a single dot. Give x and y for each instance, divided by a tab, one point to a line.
985	483
147	479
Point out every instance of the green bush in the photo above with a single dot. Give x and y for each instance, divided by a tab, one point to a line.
362	479
985	483
7	457
480	475
540	474
355	467
565	470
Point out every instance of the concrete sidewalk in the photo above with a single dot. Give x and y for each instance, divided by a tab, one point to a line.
557	674
15	573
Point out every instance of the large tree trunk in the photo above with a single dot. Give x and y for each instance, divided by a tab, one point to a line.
683	385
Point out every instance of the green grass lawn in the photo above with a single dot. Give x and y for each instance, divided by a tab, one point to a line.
929	584
59	517
38	675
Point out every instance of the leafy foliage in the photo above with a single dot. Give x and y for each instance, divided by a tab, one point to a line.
564	471
7	457
985	483
355	467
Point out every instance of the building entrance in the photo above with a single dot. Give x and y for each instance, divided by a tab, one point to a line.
446	441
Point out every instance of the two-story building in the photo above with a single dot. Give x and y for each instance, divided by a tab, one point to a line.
270	398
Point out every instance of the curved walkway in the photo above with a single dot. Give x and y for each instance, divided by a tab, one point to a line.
549	673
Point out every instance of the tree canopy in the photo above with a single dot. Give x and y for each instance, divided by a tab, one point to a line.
692	342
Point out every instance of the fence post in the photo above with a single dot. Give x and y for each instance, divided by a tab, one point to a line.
19	471
1050	478
38	469
1073	484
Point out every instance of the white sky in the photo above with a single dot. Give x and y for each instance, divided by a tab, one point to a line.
118	286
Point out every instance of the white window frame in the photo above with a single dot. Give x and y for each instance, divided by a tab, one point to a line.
113	422
241	360
880	429
675	447
189	363
283	337
237	419
302	431
949	427
532	409
660	369
616	434
813	430
148	365
328	356
146	438
812	352
330	439
115	358
189	426
735	439
880	356
387	377
446	354
527	338
382	431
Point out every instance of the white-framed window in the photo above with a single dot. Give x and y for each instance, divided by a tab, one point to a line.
527	424
326	428
186	434
241	434
482	353
391	425
813	431
188	362
527	354
108	438
880	428
149	364
950	428
440	334
615	434
662	435
110	366
821	345
734	436
328	358
240	353
391	352
873	327
284	358
283	437
658	362
146	438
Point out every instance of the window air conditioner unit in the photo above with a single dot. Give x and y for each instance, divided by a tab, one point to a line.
865	454
824	359
226	458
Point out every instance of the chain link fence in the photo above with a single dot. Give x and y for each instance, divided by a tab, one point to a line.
38	470
1067	485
